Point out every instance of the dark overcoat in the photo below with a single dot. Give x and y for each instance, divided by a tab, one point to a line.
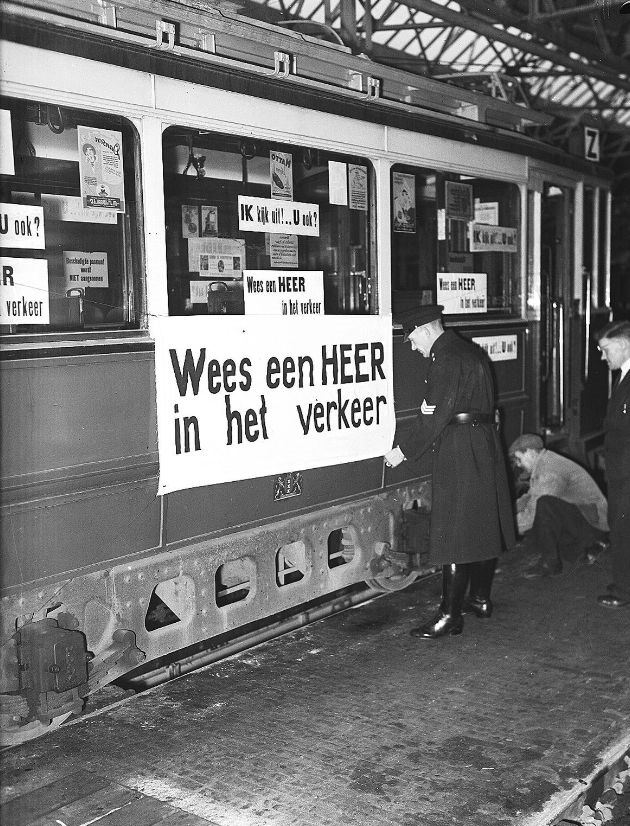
617	453
472	515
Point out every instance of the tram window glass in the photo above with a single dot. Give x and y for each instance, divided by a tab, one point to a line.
448	223
70	220
215	184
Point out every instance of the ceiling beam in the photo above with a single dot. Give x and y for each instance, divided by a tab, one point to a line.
567	42
537	16
456	18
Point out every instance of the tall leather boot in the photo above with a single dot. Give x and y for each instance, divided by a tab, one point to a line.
478	601
448	621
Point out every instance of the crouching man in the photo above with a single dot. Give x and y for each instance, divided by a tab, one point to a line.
563	515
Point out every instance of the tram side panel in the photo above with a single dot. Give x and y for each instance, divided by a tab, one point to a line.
78	463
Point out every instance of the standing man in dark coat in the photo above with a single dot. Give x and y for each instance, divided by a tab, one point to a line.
471	517
614	343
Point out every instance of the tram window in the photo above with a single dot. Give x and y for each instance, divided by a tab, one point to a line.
448	223
70	220
215	185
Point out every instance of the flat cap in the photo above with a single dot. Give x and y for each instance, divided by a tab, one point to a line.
416	317
525	442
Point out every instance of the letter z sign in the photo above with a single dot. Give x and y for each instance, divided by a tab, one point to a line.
591	143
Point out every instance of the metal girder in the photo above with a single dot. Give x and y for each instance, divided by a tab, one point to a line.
533	47
564	40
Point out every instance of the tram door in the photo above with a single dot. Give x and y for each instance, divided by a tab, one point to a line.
556	268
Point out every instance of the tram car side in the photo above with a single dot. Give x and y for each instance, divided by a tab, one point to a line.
209	229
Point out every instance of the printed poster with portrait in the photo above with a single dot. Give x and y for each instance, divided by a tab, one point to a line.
190	221
403	202
101	171
216	257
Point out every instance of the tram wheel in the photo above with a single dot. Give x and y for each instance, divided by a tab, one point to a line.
16	735
388	581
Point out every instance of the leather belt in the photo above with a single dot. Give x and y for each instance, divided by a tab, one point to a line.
472	418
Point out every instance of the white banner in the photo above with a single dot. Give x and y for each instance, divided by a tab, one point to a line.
270	215
240	398
22	227
273	292
463	292
24	291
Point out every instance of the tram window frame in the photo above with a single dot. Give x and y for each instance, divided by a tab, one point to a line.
208	170
45	165
419	256
603	260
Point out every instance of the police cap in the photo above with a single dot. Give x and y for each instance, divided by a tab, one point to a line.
410	319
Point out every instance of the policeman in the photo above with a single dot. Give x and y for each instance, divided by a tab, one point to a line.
471	518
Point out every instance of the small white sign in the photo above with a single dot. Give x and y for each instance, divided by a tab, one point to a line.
485	238
337	183
462	292
22	227
70	208
85	269
270	215
441	225
591	143
24	291
199	291
499	348
273	292
486	213
7	164
283	250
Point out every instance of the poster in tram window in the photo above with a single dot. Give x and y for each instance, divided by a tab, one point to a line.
459	201
209	221
101	170
403	202
357	187
216	257
281	175
190	221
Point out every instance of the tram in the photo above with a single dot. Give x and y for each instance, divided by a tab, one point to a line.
209	227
